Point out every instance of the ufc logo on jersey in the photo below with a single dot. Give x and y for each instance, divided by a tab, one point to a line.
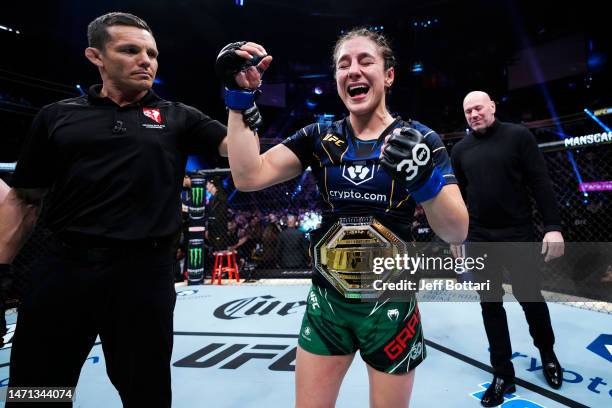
334	139
420	156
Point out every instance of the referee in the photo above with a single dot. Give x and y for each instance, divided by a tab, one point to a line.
493	164
108	167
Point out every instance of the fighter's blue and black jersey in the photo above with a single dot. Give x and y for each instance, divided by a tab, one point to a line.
350	179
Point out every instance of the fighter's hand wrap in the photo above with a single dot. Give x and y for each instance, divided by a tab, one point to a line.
228	64
409	160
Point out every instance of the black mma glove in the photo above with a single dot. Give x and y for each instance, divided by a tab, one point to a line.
408	159
228	64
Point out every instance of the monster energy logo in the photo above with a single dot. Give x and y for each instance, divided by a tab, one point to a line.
197	196
195	256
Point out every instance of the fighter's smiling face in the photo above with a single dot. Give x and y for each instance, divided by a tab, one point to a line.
361	77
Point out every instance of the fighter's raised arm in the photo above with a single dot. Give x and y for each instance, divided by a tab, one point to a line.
241	66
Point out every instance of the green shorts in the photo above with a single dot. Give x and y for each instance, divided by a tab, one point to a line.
387	334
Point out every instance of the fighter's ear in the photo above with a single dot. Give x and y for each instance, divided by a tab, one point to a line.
389	77
94	56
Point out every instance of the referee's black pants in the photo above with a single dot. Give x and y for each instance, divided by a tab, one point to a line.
515	250
124	295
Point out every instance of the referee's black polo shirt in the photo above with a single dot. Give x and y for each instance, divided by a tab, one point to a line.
114	172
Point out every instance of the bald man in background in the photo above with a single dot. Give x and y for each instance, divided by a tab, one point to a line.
494	163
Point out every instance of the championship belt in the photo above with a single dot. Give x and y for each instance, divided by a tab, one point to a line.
345	255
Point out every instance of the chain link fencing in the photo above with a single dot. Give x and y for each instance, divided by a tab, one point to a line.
268	229
579	162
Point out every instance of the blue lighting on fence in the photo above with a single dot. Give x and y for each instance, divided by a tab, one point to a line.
232	194
570	157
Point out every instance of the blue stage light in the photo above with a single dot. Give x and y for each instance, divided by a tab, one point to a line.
597	120
417	67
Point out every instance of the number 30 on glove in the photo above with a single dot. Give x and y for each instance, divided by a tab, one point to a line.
408	160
